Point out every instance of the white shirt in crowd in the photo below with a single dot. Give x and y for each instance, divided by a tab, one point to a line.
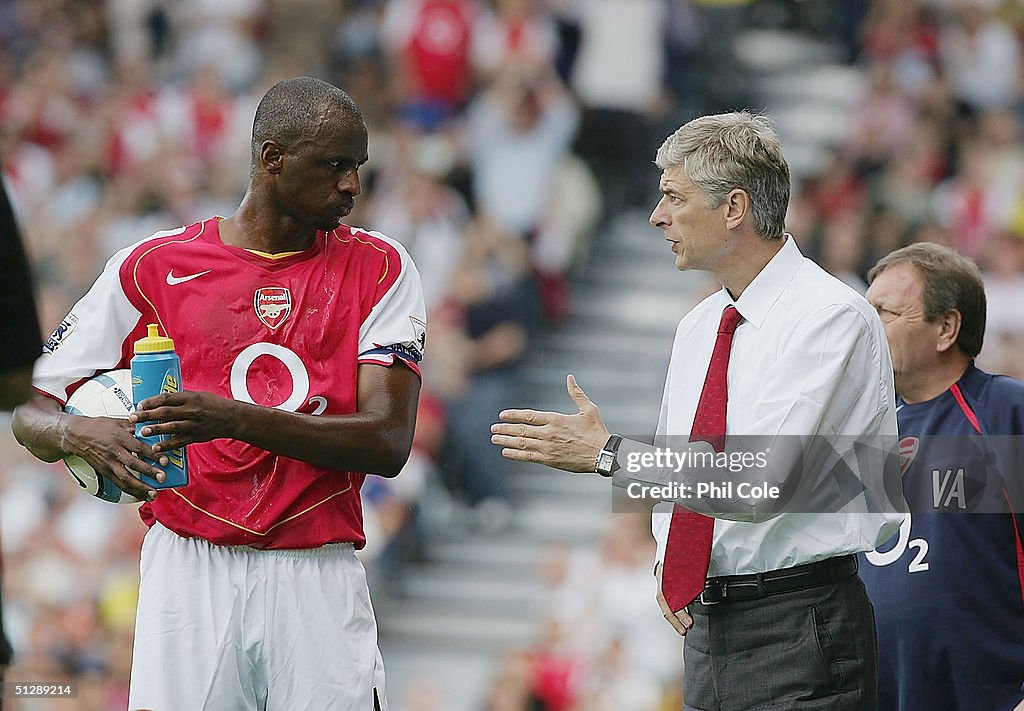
621	60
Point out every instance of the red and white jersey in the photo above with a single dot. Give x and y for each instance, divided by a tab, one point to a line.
287	332
435	37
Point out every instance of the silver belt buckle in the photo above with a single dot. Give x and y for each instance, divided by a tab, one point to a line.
722	585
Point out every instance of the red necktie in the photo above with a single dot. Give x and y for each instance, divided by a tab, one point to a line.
688	550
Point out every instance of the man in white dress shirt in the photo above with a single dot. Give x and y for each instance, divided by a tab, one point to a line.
791	359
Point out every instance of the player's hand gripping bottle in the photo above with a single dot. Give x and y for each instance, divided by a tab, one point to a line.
156	369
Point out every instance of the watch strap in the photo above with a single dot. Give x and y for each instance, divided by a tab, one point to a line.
608	454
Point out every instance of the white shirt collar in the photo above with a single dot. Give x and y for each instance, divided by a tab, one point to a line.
761	294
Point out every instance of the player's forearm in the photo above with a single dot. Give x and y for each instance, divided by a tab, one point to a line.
363	442
376	439
39	426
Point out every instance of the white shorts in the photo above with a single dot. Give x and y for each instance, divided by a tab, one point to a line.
233	628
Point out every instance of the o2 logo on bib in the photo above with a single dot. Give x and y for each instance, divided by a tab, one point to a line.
272	304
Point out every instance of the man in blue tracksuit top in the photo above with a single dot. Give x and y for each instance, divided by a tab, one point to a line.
948	590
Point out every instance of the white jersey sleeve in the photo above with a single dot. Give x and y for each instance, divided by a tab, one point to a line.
92	337
396	326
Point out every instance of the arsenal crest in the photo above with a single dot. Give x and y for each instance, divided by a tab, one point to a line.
273	304
908	450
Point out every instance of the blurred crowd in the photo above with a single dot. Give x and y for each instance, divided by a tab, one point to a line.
503	134
933	153
604	645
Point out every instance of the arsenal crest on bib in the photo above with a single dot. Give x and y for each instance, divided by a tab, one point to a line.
908	452
273	304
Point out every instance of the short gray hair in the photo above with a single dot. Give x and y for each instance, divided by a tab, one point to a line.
723	152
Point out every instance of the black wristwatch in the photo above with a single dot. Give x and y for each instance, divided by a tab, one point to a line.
606	464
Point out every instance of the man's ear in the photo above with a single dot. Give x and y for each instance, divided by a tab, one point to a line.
737	207
271	157
949	330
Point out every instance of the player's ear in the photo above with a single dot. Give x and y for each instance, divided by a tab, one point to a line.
271	156
949	330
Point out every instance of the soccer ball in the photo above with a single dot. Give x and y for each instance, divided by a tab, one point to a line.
106	395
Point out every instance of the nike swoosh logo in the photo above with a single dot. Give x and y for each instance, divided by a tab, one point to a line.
172	280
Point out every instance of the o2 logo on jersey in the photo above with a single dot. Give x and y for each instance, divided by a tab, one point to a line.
291	361
918	564
272	304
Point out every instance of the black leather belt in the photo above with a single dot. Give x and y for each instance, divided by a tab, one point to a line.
735	588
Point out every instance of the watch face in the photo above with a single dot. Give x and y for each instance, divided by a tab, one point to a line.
604	462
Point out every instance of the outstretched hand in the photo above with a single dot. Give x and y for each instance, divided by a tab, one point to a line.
569	442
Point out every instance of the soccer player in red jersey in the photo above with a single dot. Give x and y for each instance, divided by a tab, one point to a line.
299	339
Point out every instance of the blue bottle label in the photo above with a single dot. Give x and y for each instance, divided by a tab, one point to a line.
146	371
175	456
170	383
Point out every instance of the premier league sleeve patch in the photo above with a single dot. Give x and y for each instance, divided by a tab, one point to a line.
410	352
416	347
63	330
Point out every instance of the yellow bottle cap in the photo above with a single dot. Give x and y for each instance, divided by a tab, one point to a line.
153	342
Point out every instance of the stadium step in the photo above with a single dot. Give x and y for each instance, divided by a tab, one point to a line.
481	584
508	552
546	484
425	628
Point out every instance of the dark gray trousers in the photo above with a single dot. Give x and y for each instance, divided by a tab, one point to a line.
809	649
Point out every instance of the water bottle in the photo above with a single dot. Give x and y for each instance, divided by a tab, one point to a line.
156	369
